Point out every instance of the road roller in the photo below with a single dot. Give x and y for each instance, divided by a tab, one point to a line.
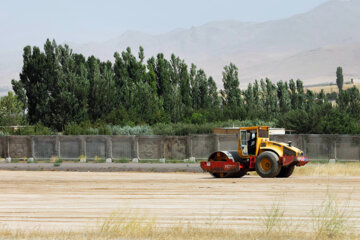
255	152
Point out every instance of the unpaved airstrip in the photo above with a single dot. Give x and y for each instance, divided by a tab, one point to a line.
73	200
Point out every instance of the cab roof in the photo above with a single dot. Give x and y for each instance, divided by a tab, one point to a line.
254	128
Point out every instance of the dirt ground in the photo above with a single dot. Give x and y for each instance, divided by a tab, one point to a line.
72	200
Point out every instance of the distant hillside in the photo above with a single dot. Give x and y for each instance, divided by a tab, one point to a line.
331	88
308	46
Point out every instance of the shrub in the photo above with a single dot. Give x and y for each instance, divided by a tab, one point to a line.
73	129
2	133
37	129
163	129
127	130
92	131
86	128
178	129
183	129
104	130
57	162
42	130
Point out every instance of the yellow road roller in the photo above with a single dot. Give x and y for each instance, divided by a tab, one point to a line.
255	152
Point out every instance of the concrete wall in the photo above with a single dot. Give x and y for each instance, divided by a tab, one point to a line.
317	147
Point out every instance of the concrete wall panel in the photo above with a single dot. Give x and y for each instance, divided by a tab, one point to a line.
95	147
150	147
20	146
175	147
228	142
203	146
3	147
44	146
122	147
318	147
348	147
70	147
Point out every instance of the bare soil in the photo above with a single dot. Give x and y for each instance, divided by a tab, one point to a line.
73	200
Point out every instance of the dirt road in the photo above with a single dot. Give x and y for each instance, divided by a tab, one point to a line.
71	200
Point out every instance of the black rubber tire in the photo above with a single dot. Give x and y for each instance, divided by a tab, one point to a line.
286	172
275	166
238	174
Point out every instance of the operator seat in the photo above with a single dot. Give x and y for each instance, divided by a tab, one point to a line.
252	144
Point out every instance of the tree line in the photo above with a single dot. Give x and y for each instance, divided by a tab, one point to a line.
58	87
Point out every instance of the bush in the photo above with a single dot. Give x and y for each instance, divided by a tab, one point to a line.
183	129
37	129
104	130
2	133
87	128
73	129
42	130
170	129
245	123
163	129
127	130
57	162
92	131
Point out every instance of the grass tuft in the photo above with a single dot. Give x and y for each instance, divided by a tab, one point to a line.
273	219
330	219
57	162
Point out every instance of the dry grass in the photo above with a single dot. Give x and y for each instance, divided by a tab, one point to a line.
273	220
349	169
335	169
331	219
186	232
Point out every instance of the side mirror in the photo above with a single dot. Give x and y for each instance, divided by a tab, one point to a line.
290	143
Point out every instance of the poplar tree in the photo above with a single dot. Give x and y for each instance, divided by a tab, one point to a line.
339	78
213	94
293	95
300	94
283	96
69	92
195	92
249	102
203	101
185	89
231	94
163	82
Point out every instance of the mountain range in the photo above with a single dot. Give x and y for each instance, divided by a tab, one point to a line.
308	46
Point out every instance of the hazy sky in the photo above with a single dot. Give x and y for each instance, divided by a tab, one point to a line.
25	22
